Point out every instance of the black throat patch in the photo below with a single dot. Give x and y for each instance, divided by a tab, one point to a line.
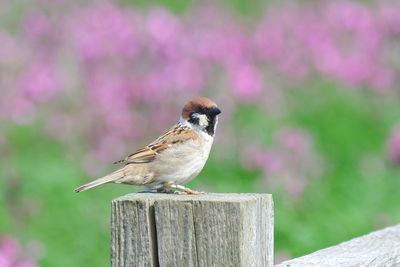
210	129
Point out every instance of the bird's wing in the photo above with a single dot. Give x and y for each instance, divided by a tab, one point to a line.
176	135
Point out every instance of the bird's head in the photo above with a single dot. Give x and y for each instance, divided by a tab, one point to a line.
201	112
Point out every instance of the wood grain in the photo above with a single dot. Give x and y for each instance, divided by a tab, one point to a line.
380	248
202	230
132	234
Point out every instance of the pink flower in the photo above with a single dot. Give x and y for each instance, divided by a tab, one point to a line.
188	75
246	82
9	247
105	30
37	27
389	17
11	255
393	145
124	69
327	38
11	52
274	162
163	27
294	140
40	81
289	163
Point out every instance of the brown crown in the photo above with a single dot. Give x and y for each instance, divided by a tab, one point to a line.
194	104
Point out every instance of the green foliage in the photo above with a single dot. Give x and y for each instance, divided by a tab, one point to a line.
356	194
43	206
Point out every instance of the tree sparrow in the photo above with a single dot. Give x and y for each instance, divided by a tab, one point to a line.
175	157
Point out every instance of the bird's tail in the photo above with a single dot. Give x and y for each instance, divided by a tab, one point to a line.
103	180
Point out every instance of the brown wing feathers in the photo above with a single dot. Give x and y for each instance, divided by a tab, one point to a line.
175	135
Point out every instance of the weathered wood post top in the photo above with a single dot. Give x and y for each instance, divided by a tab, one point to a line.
192	230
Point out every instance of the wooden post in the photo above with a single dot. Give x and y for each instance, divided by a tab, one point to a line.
380	248
186	230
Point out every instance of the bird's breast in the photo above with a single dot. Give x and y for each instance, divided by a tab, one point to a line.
183	162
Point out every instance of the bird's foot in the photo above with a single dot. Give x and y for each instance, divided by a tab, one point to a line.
189	191
185	190
167	191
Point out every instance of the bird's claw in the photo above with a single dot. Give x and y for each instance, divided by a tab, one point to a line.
188	191
185	190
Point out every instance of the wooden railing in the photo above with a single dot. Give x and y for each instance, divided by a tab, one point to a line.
223	230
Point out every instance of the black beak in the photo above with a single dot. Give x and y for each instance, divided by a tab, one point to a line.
214	111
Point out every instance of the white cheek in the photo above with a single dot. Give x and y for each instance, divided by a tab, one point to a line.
203	120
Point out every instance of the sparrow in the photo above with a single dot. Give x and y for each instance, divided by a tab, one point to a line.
174	158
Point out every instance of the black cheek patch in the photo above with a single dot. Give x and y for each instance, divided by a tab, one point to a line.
193	120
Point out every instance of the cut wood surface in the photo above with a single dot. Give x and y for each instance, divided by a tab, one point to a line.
185	230
380	248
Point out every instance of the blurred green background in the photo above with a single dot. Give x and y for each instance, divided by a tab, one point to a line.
309	94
